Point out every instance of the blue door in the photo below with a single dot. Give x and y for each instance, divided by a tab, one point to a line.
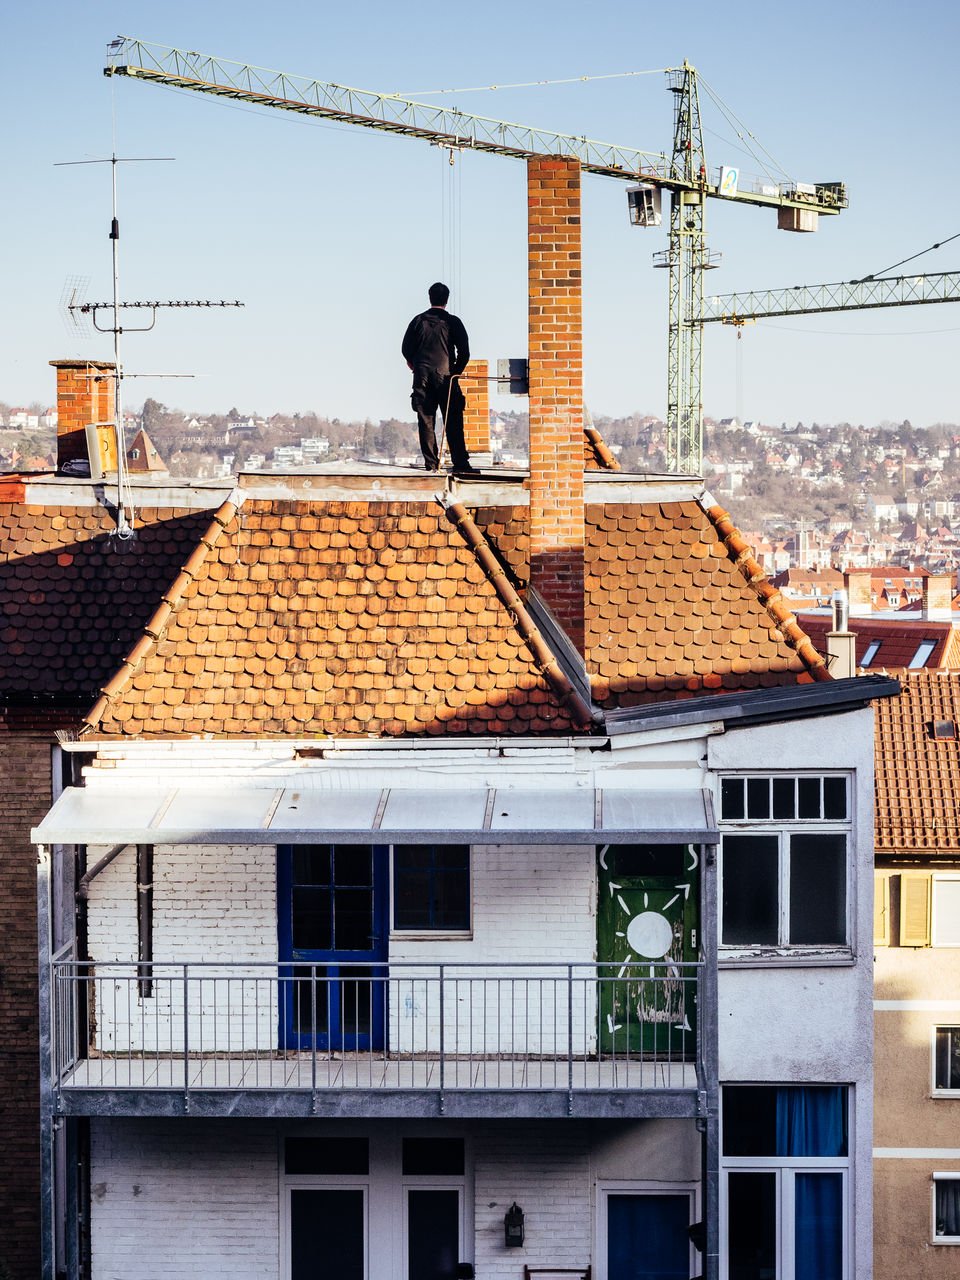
647	1237
332	907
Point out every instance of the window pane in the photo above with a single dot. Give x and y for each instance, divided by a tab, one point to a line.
647	1237
947	1058
749	1120
311	864
642	860
326	1155
812	1120
752	1226
808	797
758	797
818	890
326	1235
311	920
353	864
835	798
431	886
751	878
818	1227
731	798
785	1120
353	919
784	797
433	1156
947	1206
433	1234
946	912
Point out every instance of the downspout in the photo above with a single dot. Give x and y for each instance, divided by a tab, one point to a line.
145	919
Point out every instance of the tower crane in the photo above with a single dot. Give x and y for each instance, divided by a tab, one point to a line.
683	174
853	295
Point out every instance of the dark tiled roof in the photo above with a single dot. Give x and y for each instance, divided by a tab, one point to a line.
918	776
74	598
900	639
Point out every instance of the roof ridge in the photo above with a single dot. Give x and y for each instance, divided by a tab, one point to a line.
544	658
171	598
741	556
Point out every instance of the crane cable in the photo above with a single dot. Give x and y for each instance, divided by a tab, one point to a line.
742	132
525	84
939	245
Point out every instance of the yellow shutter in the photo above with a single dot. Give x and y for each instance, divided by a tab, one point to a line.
881	909
914	909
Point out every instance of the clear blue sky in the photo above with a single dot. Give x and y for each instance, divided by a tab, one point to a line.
330	234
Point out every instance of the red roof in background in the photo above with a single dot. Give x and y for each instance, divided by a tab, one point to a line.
899	637
918	775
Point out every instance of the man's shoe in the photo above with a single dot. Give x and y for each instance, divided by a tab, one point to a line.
468	470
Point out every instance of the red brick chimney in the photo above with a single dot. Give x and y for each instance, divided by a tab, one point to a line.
556	389
476	414
85	397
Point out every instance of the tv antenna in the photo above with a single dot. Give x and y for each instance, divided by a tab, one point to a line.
79	311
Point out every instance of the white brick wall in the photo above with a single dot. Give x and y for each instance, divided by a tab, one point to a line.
219	905
200	1198
209	903
184	1198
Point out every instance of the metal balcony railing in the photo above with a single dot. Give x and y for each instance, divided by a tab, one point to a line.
193	1025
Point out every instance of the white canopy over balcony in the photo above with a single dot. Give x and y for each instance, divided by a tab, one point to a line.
467	814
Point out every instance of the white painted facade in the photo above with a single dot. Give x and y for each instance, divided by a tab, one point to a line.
179	1196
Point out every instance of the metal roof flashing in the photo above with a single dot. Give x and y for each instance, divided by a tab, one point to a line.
756	706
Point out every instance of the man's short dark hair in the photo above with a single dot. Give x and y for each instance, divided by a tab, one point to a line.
438	294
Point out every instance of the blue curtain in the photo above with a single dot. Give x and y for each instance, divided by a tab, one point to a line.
647	1237
818	1229
812	1121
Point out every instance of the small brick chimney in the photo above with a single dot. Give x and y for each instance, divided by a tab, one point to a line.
556	389
858	584
476	413
938	597
85	398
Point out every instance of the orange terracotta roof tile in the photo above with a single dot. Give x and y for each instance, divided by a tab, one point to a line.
918	775
432	636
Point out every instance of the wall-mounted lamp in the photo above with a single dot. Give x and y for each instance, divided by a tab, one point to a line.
513	1227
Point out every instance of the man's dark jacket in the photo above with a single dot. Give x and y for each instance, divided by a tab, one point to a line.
436	340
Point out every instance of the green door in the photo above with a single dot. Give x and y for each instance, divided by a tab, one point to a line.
647	928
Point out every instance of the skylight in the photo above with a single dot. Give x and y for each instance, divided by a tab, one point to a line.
873	649
923	653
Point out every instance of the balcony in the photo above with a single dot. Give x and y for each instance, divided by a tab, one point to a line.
392	1039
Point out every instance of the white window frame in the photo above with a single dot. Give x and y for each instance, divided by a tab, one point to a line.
935	1090
786	1168
940	877
784	829
434	1182
385	1190
433	935
935	1239
608	1187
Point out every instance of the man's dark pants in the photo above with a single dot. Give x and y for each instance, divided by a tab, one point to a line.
430	392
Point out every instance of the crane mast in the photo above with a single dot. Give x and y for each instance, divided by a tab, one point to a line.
683	174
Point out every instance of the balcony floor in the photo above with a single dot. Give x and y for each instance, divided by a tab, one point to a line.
371	1071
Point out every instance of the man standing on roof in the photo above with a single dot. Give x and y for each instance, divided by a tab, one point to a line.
436	348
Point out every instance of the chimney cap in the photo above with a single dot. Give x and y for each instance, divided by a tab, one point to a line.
83	364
